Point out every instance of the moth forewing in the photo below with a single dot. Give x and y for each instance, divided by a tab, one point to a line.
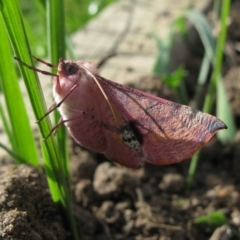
168	132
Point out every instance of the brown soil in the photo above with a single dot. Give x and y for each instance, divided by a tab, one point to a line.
112	202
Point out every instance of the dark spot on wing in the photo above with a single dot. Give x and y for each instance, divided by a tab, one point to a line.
148	109
132	125
129	137
129	134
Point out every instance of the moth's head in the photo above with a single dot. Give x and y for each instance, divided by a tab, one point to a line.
73	72
69	68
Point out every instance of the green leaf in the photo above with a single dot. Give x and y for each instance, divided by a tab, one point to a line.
180	24
215	219
174	79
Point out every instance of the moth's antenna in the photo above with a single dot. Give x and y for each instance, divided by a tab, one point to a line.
36	69
46	63
101	89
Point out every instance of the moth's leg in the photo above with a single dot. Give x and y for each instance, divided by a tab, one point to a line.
55	106
57	126
67	95
60	122
52	106
51	109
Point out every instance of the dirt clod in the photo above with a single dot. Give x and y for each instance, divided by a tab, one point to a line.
27	210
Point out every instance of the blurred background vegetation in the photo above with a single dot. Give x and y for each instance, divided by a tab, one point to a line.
77	13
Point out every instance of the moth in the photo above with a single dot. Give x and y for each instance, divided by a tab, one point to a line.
127	125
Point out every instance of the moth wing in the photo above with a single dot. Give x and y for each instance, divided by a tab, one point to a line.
168	132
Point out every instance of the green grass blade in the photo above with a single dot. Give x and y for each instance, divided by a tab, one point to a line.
56	29
56	43
223	106
7	128
192	169
204	70
204	30
202	78
161	65
215	57
24	145
229	135
53	186
56	50
225	114
14	24
13	154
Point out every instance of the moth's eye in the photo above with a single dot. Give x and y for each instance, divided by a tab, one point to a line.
71	68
